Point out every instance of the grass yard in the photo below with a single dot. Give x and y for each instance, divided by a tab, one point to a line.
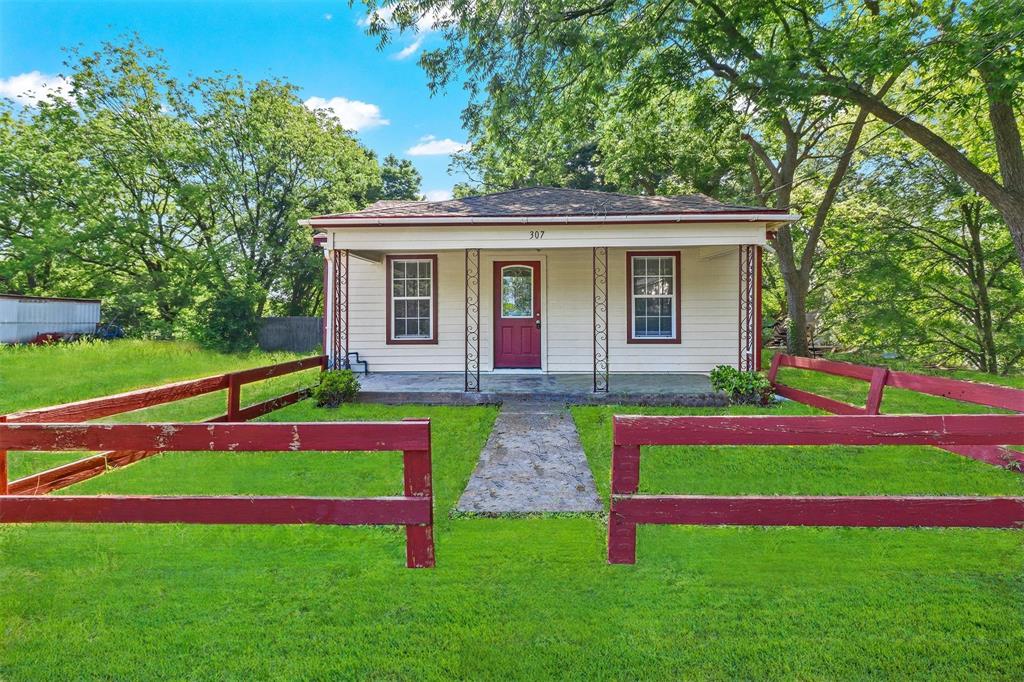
521	598
37	376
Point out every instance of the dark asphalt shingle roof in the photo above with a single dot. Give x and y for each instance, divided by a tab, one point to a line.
549	201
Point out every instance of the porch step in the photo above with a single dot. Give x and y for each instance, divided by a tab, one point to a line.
354	362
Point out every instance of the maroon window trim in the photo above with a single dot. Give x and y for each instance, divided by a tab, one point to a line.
629	297
433	299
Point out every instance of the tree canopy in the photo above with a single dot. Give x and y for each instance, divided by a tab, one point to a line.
167	199
804	105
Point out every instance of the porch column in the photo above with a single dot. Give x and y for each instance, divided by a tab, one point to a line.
336	309
472	371
601	374
749	357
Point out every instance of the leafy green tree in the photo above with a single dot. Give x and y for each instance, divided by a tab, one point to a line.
907	63
42	188
669	119
672	141
265	162
171	200
399	179
927	270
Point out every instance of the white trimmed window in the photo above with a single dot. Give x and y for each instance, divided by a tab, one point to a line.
412	300
653	297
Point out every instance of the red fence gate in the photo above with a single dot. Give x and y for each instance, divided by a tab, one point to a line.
414	509
631	433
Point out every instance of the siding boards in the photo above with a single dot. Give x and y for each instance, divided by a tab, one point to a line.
634	236
708	324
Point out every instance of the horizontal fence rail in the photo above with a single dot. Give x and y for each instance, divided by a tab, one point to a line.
630	433
130	401
413	510
989	395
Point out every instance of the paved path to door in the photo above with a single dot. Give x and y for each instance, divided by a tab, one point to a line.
533	462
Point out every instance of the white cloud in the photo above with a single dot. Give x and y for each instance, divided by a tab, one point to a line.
351	113
431	146
426	24
438	194
32	87
328	16
410	49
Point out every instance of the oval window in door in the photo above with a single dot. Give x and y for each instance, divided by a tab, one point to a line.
516	291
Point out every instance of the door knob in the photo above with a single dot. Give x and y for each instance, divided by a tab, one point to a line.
538	322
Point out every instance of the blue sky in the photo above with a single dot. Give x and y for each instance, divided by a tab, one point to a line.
319	46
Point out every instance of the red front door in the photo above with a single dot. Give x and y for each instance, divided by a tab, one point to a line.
517	314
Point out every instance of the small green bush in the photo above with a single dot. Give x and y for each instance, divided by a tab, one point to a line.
743	388
228	322
336	386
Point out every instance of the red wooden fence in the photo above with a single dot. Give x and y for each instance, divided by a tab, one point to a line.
990	395
96	408
414	509
631	433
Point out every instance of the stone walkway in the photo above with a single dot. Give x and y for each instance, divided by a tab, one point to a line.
533	462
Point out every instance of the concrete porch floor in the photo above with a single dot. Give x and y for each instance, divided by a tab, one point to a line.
444	388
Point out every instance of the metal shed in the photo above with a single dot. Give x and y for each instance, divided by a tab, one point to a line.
22	318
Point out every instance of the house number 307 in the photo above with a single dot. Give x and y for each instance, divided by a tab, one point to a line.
536	234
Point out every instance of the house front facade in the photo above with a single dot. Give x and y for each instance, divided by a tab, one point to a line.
545	280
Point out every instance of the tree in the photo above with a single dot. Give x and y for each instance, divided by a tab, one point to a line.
551	76
928	270
129	238
945	55
42	187
170	201
265	162
399	179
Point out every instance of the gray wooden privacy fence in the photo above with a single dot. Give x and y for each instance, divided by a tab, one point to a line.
297	334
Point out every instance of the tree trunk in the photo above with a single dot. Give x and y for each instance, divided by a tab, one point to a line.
989	351
797	342
797	286
1013	214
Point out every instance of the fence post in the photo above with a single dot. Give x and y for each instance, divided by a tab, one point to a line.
773	370
3	464
621	538
625	481
419	539
874	401
234	397
625	469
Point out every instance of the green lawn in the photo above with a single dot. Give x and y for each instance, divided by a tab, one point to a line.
523	598
36	376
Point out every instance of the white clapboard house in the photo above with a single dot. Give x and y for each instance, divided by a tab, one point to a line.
545	280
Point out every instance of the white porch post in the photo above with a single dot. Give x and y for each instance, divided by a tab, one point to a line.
749	308
472	371
336	309
600	284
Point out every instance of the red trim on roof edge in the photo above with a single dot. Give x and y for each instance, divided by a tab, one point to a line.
364	216
510	222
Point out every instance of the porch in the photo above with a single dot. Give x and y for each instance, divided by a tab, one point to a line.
448	388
